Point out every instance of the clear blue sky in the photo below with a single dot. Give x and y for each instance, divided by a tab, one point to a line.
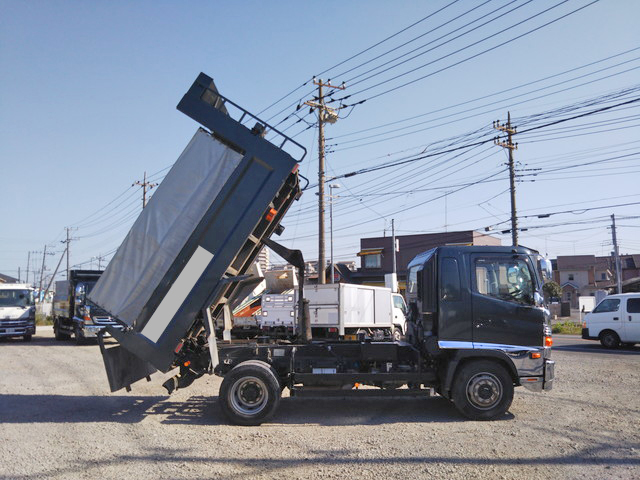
88	93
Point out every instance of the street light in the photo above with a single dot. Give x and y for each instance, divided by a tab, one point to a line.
331	197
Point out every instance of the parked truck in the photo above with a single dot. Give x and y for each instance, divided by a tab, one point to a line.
17	311
339	311
477	324
75	315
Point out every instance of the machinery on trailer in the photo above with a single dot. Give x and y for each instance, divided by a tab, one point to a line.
477	324
337	310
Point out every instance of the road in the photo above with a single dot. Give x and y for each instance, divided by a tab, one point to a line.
58	420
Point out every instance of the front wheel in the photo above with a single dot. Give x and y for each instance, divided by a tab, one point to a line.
250	393
26	338
482	390
609	339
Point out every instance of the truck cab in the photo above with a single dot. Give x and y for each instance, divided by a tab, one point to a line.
17	311
73	313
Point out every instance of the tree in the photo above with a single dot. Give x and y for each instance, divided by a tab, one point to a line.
552	290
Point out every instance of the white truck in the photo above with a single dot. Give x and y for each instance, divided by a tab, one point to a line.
17	311
340	310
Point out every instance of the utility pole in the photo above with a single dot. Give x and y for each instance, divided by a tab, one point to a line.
331	197
68	248
44	256
145	185
512	171
28	266
328	115
393	243
616	254
53	277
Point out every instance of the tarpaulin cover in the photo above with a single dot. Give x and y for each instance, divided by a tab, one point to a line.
164	226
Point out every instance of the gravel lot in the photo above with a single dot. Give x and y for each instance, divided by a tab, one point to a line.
58	420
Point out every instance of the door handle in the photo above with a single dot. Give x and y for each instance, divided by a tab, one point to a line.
629	317
616	318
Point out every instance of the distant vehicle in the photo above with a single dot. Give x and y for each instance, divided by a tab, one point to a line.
615	320
73	313
17	311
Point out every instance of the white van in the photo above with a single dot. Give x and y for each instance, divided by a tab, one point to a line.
615	320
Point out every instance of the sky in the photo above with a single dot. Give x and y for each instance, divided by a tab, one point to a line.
88	93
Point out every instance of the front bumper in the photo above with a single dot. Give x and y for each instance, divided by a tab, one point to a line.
540	383
17	329
586	336
91	331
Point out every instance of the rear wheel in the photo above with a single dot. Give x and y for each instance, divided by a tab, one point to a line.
57	333
482	390
250	393
609	339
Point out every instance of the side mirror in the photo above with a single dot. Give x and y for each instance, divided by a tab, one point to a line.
538	299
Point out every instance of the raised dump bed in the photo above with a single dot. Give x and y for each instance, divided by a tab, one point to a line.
206	223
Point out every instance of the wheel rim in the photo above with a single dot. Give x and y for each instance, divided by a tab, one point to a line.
484	390
609	340
248	396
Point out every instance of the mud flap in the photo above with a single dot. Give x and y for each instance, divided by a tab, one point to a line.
123	367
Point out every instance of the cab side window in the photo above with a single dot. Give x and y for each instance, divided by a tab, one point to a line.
450	279
607	305
506	278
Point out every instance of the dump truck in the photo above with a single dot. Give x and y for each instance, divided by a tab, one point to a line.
477	323
73	313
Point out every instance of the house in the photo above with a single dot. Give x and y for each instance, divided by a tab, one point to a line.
376	253
8	279
586	274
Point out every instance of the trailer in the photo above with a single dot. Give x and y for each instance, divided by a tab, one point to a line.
338	311
478	326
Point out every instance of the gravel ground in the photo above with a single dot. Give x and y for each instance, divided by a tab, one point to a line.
58	420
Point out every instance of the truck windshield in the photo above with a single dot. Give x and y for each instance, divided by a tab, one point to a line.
16	298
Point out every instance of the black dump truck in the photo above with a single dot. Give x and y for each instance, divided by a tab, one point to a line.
477	323
73	313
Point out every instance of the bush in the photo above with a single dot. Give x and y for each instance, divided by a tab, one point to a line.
552	290
43	320
567	328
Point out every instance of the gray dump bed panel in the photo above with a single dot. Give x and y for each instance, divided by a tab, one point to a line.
199	233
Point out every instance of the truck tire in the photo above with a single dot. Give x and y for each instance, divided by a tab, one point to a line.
250	393
397	335
26	338
609	339
59	336
482	390
79	335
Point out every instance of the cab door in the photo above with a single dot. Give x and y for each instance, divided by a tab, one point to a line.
631	321
503	310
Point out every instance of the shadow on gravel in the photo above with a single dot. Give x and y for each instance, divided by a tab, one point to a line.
246	466
200	410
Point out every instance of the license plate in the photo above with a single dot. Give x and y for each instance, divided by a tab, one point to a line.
11	330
